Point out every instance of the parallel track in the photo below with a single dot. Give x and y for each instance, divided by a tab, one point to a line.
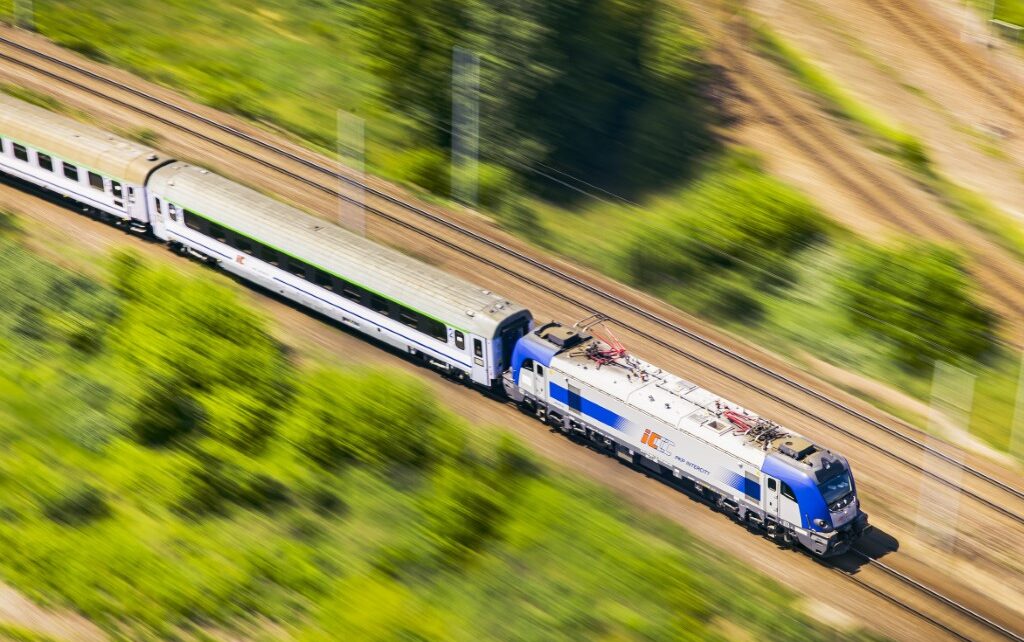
938	42
931	594
610	298
877	192
550	270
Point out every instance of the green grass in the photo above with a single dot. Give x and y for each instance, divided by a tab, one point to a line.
981	213
1011	11
968	205
11	633
143	484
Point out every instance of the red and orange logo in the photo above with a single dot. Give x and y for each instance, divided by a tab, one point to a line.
651	438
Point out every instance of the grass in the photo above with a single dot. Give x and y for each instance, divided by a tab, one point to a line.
968	205
11	633
470	538
980	212
1011	11
208	51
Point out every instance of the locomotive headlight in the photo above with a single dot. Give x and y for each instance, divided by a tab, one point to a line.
822	524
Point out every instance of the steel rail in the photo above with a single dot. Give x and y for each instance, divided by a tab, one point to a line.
551	270
935	595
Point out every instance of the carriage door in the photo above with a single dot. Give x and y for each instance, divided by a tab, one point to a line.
479	362
771	497
134	210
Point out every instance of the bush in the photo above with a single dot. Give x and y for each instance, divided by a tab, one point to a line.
165	414
735	234
77	507
382	419
919	299
427	168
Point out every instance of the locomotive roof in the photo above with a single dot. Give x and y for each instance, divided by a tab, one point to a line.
686	406
335	249
87	146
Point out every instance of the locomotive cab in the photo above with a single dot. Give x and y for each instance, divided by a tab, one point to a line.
814	492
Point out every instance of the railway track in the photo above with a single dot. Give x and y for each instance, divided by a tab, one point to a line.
886	582
937	41
1001	273
906	438
560	275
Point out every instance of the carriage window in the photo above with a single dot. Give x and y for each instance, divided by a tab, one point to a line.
20	152
323	279
787	491
407	316
115	187
352	292
269	255
96	181
44	161
297	267
434	328
478	347
460	340
243	244
218	232
771	484
70	171
540	370
380	305
194	221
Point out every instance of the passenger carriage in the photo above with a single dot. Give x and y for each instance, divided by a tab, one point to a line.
105	173
452	325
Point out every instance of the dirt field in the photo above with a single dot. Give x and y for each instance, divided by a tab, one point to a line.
987	568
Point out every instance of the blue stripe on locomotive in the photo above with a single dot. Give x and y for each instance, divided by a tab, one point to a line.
808	497
586	406
748	487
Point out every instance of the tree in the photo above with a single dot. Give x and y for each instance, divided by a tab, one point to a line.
610	90
918	298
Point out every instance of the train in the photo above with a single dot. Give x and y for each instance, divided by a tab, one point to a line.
578	379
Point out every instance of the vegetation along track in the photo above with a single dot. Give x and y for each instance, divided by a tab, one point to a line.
932	36
745	380
1000	272
924	602
901	437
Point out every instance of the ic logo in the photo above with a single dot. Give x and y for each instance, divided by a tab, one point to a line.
657	442
650	438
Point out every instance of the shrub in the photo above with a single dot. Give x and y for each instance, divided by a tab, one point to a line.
918	298
76	507
735	233
165	414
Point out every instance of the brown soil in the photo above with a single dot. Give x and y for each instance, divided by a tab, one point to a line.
985	570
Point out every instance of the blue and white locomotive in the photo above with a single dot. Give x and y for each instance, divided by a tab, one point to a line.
590	387
581	384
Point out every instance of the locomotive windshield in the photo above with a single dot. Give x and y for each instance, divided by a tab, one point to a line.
836	488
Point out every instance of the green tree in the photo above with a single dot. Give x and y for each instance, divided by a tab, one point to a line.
610	90
918	298
733	236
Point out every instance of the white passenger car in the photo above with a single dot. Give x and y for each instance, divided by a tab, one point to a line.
103	172
453	325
